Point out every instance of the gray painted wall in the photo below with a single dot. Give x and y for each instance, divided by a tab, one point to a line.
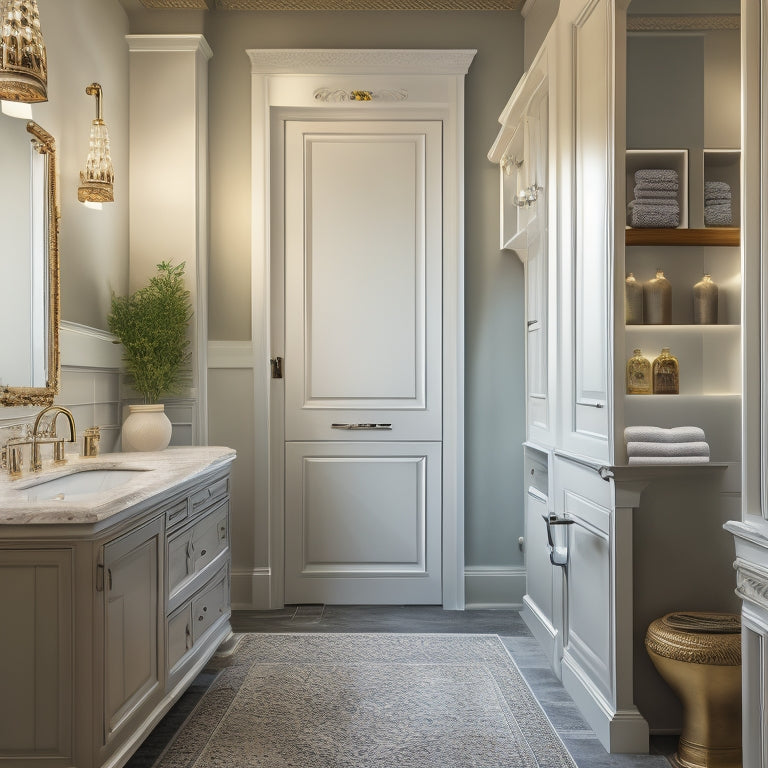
494	280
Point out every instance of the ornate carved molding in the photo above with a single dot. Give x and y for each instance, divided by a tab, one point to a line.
336	5
339	94
751	584
694	22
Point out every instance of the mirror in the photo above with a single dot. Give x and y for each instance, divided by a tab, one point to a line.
29	264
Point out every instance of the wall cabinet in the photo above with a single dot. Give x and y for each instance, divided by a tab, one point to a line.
634	534
110	623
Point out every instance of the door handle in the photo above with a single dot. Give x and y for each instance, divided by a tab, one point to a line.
362	426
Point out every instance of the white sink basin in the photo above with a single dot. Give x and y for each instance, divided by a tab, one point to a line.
86	482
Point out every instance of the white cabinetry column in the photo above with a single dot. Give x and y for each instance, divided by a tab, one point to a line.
169	188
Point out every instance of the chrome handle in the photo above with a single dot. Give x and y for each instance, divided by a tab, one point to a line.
362	426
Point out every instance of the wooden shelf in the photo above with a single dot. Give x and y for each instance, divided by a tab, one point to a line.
709	236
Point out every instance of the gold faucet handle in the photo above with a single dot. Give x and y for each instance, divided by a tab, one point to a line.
91	439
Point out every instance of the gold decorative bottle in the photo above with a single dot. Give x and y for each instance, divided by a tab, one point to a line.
705	301
657	300
638	374
633	301
666	374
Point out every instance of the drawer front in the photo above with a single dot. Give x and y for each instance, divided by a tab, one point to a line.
209	495
176	514
194	548
179	635
210	537
210	605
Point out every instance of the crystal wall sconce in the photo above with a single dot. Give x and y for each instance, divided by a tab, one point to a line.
525	198
98	178
23	62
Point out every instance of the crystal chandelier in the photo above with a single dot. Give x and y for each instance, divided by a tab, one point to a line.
23	67
96	181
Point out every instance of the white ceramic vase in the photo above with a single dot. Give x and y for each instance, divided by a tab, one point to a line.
147	428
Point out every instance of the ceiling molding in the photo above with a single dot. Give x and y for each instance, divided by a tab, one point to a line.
335	5
688	23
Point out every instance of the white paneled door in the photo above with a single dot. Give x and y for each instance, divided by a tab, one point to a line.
363	361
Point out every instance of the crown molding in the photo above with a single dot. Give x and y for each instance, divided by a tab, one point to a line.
353	61
335	5
169	43
688	23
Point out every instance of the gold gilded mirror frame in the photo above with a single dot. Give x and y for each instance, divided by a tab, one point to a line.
44	144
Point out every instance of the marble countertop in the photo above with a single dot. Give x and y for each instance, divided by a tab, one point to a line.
155	474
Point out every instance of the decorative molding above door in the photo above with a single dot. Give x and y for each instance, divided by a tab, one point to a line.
336	5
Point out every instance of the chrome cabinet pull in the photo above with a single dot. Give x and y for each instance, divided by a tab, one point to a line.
361	426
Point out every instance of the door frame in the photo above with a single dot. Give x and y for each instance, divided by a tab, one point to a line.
402	84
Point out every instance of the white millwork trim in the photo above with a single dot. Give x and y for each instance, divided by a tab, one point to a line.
352	61
231	354
434	80
249	588
494	587
85	347
169	44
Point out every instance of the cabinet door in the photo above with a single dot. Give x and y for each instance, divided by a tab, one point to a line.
132	637
36	658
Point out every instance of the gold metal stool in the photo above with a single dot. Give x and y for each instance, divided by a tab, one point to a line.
699	656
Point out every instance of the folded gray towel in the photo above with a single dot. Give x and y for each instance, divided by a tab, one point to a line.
655	216
716	189
667	449
666	201
718	215
659	186
650	460
655	175
717	201
664	435
643	192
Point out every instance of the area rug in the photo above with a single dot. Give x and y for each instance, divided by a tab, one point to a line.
368	701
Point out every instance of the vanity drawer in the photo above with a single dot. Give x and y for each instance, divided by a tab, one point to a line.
208	495
176	514
191	550
210	605
179	636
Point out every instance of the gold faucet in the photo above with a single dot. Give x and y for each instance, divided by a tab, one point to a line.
50	437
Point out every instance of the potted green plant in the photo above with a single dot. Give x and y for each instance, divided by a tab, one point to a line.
152	324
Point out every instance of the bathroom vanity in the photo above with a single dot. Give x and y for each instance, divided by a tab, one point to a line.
114	591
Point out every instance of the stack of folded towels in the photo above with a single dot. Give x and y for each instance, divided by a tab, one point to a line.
655	203
717	204
655	445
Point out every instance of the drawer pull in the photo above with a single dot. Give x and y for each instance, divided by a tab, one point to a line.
202	552
188	639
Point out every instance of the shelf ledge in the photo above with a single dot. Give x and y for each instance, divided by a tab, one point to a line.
729	236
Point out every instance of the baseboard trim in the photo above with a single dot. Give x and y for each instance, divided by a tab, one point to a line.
494	587
623	731
250	590
546	635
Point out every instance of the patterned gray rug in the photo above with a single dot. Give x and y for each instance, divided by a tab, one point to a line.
368	701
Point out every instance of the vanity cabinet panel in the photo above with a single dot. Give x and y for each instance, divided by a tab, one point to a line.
36	657
191	550
133	637
210	605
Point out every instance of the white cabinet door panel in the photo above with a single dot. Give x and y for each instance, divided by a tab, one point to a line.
363	251
363	522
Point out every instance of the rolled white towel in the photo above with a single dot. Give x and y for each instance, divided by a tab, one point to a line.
664	435
655	175
650	460
698	448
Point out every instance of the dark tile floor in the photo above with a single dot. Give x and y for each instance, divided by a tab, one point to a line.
579	739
